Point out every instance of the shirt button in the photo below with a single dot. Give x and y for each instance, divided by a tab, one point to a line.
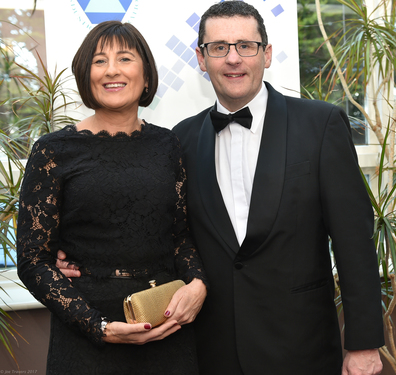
238	265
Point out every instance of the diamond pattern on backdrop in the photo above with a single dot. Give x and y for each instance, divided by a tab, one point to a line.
104	10
98	10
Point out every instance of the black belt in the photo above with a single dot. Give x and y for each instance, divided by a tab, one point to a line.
125	274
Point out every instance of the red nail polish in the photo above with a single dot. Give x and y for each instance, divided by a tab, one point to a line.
167	313
147	326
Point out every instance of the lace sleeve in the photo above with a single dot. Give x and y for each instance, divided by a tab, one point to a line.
37	243
187	260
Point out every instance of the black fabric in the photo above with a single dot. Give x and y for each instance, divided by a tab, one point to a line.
307	186
110	202
242	117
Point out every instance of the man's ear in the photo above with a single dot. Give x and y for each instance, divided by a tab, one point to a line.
268	55
201	59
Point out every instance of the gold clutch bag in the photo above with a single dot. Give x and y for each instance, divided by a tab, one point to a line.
149	305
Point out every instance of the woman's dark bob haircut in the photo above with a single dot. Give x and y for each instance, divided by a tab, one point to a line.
110	33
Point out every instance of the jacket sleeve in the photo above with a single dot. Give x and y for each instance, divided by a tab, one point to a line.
348	216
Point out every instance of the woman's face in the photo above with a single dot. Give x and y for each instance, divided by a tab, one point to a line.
117	77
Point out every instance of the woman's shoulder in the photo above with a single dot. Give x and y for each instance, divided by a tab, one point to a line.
50	140
160	131
58	134
156	128
164	138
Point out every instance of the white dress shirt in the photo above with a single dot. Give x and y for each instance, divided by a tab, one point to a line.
236	153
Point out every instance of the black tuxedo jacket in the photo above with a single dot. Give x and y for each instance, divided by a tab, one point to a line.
270	307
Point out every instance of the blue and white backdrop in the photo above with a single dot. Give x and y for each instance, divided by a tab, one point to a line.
171	29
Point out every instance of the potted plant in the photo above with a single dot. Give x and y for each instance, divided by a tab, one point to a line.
363	52
33	106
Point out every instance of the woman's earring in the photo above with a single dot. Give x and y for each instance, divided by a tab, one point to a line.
147	90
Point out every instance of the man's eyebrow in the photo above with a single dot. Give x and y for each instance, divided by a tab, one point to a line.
224	41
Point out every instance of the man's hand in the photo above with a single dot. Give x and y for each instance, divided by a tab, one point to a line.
362	362
69	270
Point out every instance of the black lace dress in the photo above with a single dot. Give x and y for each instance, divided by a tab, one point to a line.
111	203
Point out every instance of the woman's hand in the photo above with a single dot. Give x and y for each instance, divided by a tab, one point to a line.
138	334
187	302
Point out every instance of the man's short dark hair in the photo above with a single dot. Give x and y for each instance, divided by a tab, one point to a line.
232	8
109	33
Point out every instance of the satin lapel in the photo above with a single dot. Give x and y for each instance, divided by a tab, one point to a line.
269	175
209	188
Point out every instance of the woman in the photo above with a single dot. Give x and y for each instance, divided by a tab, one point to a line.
110	192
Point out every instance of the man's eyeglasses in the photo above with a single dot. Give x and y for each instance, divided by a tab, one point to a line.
221	49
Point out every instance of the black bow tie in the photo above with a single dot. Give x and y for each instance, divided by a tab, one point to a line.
242	117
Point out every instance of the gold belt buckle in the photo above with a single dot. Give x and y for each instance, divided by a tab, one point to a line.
122	273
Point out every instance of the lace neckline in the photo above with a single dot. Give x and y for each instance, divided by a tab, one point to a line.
106	134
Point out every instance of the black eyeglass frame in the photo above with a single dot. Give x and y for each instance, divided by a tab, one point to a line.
259	44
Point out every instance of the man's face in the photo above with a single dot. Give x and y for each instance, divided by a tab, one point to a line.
236	80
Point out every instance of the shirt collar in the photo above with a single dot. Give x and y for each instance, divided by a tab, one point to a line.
257	107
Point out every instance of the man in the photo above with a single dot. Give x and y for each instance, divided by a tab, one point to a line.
262	202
